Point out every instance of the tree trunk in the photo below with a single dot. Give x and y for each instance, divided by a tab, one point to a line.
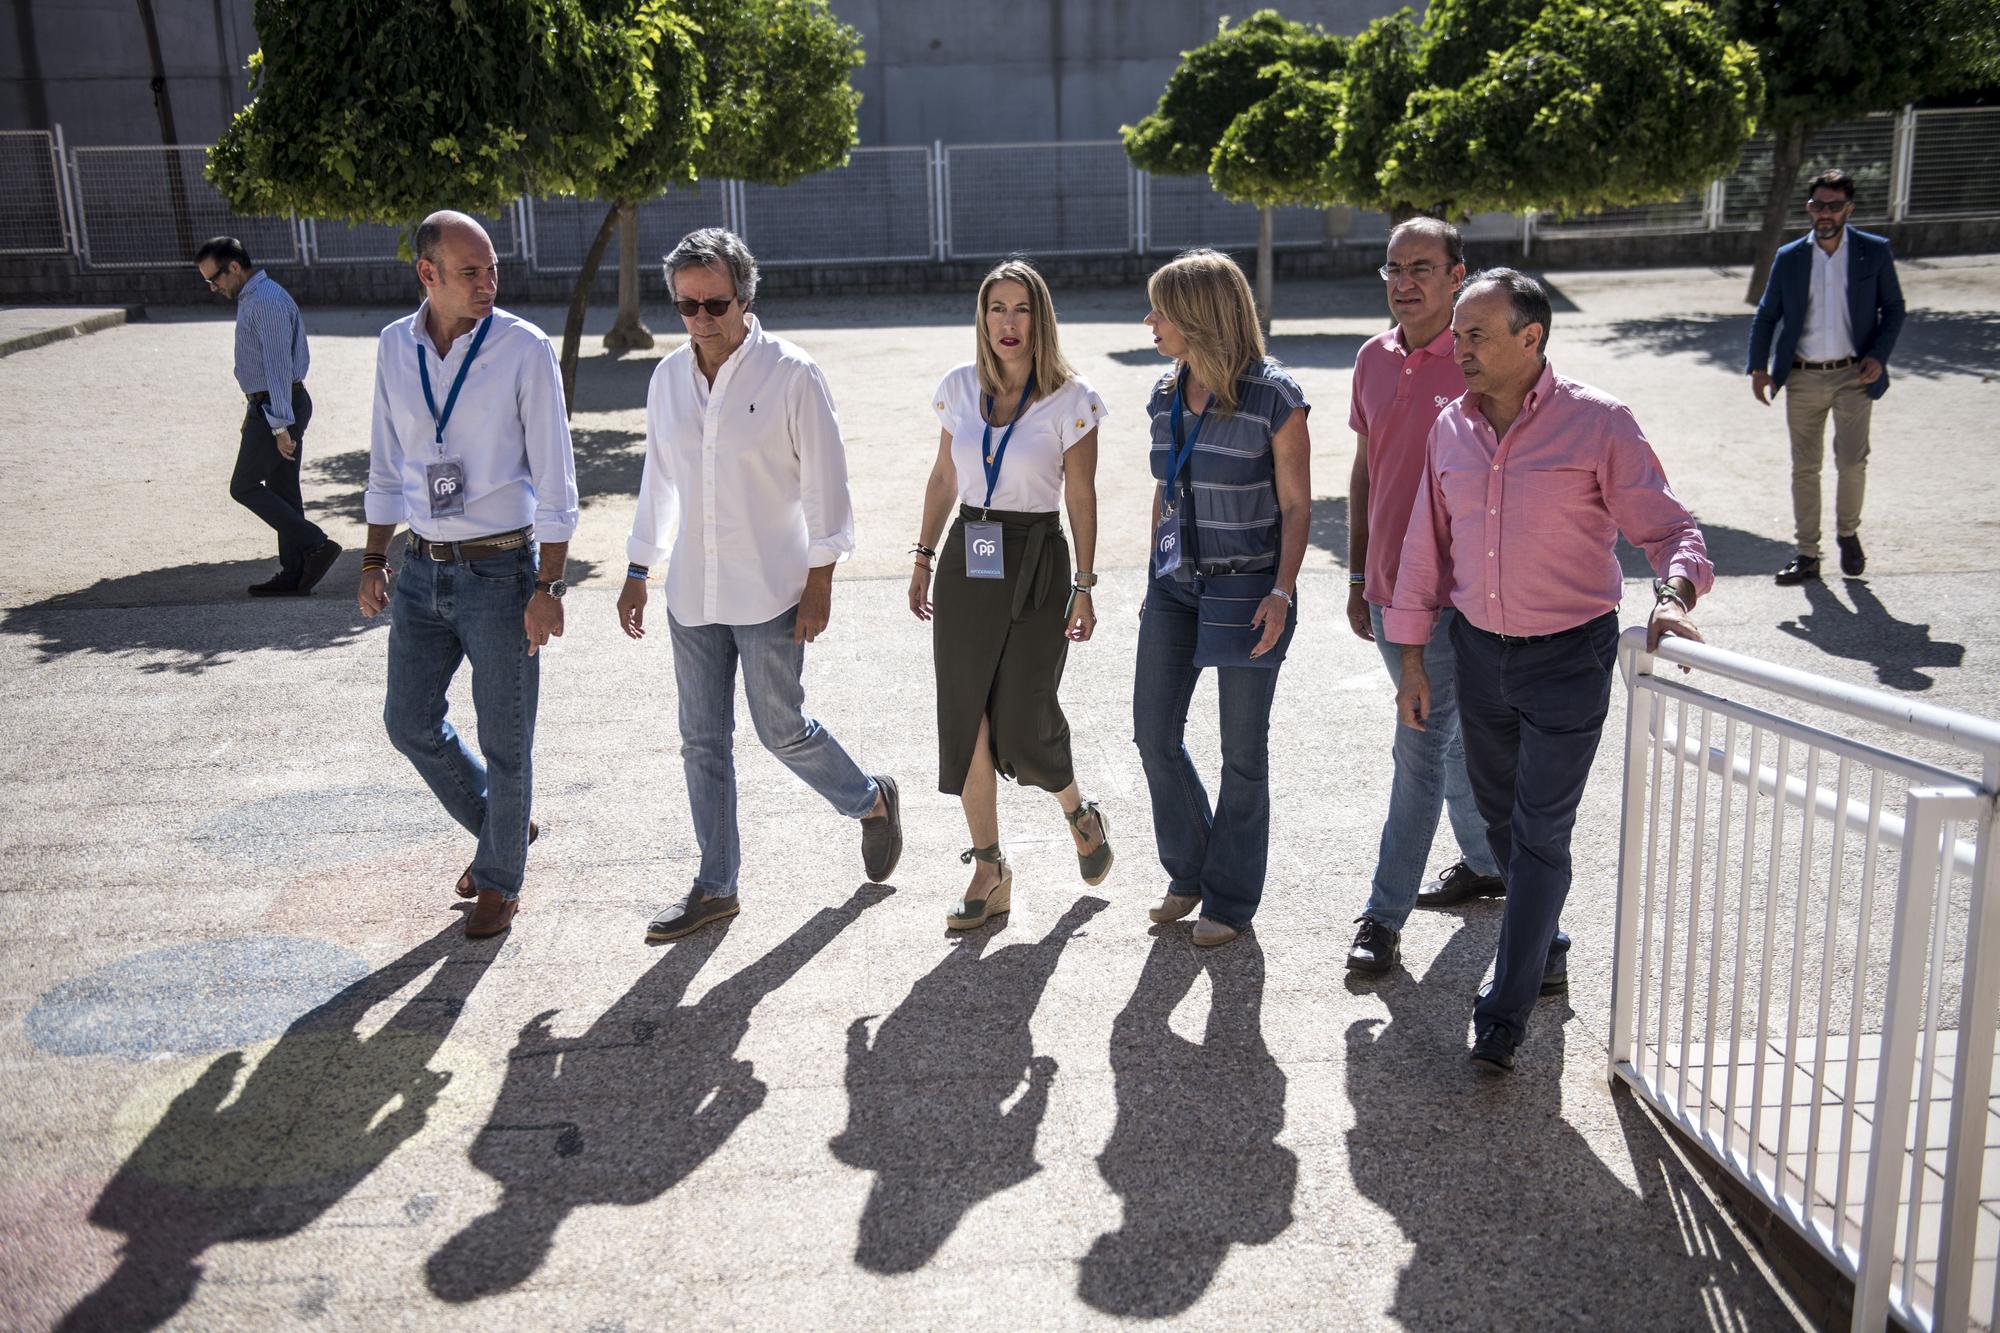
163	107
1266	262
628	330
579	303
1788	154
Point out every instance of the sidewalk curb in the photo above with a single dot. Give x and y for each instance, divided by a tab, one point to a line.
103	319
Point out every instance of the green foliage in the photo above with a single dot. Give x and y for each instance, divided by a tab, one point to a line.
778	88
1594	105
1220	80
1276	151
378	110
1385	65
1834	60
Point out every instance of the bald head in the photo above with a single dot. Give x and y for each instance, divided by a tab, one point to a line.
457	266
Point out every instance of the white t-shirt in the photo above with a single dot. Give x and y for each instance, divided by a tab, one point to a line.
1031	474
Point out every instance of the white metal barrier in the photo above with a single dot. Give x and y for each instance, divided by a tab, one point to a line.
1807	970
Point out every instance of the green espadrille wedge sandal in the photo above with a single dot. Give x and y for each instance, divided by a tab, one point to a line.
972	913
1094	865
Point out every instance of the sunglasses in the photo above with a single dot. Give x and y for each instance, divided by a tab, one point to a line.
1828	206
716	307
214	283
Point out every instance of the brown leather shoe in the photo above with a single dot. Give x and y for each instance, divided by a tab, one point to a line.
467	889
491	915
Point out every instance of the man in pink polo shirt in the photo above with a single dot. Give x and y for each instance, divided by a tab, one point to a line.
1402	379
1529	479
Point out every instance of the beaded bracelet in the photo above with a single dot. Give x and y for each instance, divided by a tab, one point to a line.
926	552
1357	580
636	572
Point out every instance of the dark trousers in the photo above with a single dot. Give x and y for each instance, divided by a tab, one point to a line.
267	483
1530	715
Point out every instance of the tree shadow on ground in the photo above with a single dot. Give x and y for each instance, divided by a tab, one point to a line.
624	1112
321	1110
1318	351
191	618
1933	342
1897	649
1194	1154
925	1105
1329	530
608	462
1730	550
1497	1192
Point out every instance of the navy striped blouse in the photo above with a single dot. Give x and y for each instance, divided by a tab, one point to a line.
1232	469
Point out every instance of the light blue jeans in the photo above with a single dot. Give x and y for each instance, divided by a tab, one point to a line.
439	616
1430	776
705	662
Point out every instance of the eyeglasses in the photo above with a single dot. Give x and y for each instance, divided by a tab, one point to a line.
1394	272
1828	205
716	307
214	283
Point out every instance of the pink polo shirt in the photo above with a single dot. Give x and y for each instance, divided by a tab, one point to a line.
1520	534
1398	393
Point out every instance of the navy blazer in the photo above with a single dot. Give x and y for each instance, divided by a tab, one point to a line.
1874	305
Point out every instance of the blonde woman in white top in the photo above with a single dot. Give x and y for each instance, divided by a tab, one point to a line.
1018	445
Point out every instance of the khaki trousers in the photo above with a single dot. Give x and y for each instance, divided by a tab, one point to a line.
1810	395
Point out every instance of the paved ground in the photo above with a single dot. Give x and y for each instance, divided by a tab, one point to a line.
254	1077
23	327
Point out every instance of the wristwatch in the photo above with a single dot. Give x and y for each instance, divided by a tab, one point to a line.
555	589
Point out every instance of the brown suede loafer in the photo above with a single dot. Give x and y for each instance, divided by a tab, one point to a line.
490	915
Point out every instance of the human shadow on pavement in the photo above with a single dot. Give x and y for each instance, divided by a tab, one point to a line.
928	1097
1897	649
1933	343
321	1110
1730	550
1514	1219
1194	1154
625	1111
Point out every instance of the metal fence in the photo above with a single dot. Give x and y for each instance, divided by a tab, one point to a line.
1806	975
145	207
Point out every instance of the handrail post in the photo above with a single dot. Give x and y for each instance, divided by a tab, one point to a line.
1634	663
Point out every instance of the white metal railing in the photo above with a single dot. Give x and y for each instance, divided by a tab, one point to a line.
137	206
1806	976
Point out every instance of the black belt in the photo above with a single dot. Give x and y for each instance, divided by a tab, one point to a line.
1038	573
263	396
475	548
1542	638
1842	364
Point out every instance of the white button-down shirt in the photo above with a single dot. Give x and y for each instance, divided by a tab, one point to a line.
1828	334
745	485
508	431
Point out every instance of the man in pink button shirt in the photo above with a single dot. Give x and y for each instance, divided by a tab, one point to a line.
1402	379
1529	479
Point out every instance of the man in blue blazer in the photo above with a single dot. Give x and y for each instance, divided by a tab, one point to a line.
1835	308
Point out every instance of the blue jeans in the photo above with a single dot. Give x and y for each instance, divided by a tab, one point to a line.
705	661
1531	714
441	615
1216	855
1430	776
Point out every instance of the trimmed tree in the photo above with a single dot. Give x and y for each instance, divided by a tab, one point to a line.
1835	60
1215	84
760	93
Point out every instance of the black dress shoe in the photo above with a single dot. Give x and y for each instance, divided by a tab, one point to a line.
689	915
1853	560
318	561
1460	884
1493	1052
882	835
1803	569
1375	948
275	586
1555	976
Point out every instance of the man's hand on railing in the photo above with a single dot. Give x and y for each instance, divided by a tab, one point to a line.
1670	617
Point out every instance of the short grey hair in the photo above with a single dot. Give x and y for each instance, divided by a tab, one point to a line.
1528	299
719	248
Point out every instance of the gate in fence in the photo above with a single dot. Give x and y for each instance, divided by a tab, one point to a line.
148	207
1807	969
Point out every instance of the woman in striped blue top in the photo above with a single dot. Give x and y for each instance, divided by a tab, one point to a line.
1230	512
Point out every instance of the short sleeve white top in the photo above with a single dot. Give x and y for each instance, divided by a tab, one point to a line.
1031	474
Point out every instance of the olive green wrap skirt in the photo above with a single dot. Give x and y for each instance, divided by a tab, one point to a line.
999	648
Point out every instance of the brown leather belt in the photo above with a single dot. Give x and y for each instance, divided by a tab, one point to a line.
479	548
1841	364
263	396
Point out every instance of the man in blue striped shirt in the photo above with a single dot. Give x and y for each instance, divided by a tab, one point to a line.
271	363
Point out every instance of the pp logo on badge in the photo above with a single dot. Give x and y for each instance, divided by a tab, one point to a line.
984	546
1168	541
445	486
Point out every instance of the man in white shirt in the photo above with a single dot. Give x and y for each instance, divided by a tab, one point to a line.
471	448
746	483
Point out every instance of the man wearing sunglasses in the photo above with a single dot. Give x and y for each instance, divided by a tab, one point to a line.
271	359
1835	308
745	494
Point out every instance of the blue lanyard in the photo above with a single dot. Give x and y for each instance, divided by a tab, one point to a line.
1178	455
451	399
991	458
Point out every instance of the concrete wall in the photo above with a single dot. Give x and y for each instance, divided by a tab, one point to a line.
936	69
